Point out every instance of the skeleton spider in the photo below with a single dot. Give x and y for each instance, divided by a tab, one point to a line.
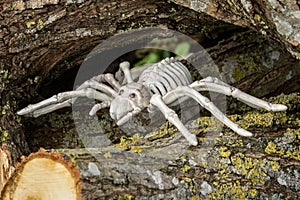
158	86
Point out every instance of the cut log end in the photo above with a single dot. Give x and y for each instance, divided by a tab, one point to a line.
43	176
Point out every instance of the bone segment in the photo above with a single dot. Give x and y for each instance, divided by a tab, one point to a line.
170	115
109	78
99	106
207	104
165	73
150	76
128	116
216	85
98	86
125	68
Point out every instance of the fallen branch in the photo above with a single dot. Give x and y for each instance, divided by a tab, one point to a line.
43	175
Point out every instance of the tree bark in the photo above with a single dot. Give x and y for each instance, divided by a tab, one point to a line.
277	20
43	43
165	166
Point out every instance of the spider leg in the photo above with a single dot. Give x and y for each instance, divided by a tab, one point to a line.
124	66
128	116
98	86
216	85
88	89
170	115
48	109
99	106
109	78
207	104
61	100
135	73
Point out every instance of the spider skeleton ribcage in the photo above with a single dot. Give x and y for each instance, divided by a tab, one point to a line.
158	87
165	76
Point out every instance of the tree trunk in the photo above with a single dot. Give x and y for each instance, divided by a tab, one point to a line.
275	19
43	44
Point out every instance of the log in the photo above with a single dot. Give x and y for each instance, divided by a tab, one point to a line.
42	45
6	166
276	19
55	36
43	175
223	165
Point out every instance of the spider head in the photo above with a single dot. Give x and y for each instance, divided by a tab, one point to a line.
131	100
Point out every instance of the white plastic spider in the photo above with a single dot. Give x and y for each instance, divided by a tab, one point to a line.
158	86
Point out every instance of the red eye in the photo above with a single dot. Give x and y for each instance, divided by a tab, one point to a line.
132	95
121	92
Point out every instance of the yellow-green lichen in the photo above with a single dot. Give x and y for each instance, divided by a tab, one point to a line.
251	168
224	152
257	17
229	141
107	155
40	24
254	118
286	146
196	197
127	143
187	179
271	148
186	168
274	165
126	197
207	124
3	135
231	190
254	170
29	24
166	130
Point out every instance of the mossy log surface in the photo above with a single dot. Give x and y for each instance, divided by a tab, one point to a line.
226	166
43	43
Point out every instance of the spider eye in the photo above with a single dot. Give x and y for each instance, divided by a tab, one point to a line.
121	92
132	95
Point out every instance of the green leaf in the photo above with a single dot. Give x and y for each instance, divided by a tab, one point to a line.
182	48
152	57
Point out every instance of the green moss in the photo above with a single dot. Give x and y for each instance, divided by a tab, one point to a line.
238	74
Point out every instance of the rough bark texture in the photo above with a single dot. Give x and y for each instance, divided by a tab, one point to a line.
277	19
164	166
43	43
